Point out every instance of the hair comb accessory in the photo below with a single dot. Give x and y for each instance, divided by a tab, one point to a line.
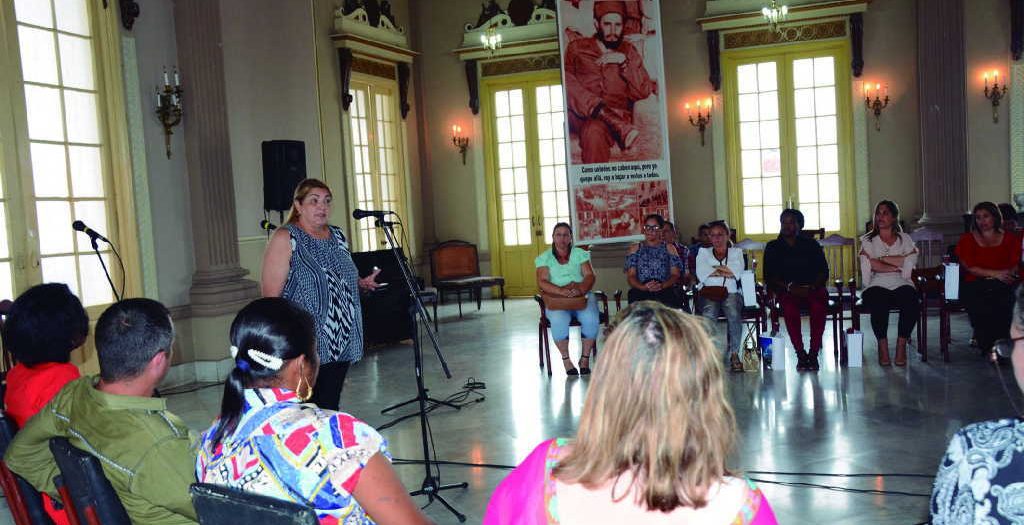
243	365
267	360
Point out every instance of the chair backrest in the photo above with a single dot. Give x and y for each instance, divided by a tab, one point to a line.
23	499
817	235
930	246
841	257
454	260
216	505
93	496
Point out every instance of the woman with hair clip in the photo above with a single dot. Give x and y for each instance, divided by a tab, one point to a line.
718	271
887	259
266	440
989	257
980	475
652	442
308	261
565	271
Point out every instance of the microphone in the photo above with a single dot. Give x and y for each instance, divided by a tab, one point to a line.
80	226
267	225
359	214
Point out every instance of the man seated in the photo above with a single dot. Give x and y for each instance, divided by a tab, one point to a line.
795	269
146	451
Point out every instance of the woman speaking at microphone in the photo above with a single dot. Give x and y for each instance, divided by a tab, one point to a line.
308	262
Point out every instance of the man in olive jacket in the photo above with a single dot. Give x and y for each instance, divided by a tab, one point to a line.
146	452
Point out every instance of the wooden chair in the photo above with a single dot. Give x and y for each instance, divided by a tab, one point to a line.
543	341
216	505
931	287
93	497
455	267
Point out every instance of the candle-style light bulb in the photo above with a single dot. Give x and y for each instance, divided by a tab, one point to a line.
707	103
995	76
177	79
688	110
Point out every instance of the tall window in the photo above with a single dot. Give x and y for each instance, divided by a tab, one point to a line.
62	133
787	114
376	157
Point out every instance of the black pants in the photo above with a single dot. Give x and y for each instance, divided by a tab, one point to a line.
879	301
989	304
666	296
329	380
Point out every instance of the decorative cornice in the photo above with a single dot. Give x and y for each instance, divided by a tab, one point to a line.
739	14
520	65
539	34
357	22
373	68
786	35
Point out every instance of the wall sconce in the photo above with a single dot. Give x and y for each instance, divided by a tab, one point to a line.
168	106
703	117
460	141
878	104
995	94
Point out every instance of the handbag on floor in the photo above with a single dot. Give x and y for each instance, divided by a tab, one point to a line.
751	356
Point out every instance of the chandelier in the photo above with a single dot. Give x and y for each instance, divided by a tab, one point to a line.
491	39
774	15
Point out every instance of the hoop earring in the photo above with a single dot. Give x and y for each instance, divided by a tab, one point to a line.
303	396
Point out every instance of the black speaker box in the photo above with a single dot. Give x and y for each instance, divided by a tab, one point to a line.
386	310
284	166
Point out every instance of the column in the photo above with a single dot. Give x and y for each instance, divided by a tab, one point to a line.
943	113
218	285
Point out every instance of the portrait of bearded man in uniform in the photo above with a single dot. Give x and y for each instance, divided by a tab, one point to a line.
605	77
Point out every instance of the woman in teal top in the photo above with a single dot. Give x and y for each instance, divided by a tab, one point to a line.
566	271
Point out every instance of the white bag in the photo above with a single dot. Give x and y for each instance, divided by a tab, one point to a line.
773	352
952	280
748	288
854	348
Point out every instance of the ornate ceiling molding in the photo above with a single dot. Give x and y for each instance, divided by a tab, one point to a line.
538	35
786	35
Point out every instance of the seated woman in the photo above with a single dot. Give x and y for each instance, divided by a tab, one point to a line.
267	441
887	259
989	257
653	266
626	464
718	270
979	476
45	324
565	271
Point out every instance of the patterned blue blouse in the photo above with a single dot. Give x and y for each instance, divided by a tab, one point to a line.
653	263
981	477
323	280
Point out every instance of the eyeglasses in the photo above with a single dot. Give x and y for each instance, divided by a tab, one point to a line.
1004	347
652	227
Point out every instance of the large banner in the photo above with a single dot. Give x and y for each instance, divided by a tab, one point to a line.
613	77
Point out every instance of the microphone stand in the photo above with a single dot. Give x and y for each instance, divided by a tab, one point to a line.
431	486
106	272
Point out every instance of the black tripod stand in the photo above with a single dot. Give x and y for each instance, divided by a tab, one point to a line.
431	486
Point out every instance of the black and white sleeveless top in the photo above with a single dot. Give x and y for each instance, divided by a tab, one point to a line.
323	280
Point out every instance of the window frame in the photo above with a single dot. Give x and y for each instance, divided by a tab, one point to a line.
115	156
374	85
784	55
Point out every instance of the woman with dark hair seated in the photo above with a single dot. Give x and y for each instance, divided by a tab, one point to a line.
45	324
653	267
652	442
267	441
887	259
989	256
980	475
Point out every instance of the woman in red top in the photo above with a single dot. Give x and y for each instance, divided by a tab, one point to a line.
44	325
989	256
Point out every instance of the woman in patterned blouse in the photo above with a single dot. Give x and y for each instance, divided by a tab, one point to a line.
308	261
267	441
653	267
980	477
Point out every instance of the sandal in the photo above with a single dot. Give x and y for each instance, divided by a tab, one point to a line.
585	370
570	370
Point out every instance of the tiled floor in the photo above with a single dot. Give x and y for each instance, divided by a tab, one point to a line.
854	420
